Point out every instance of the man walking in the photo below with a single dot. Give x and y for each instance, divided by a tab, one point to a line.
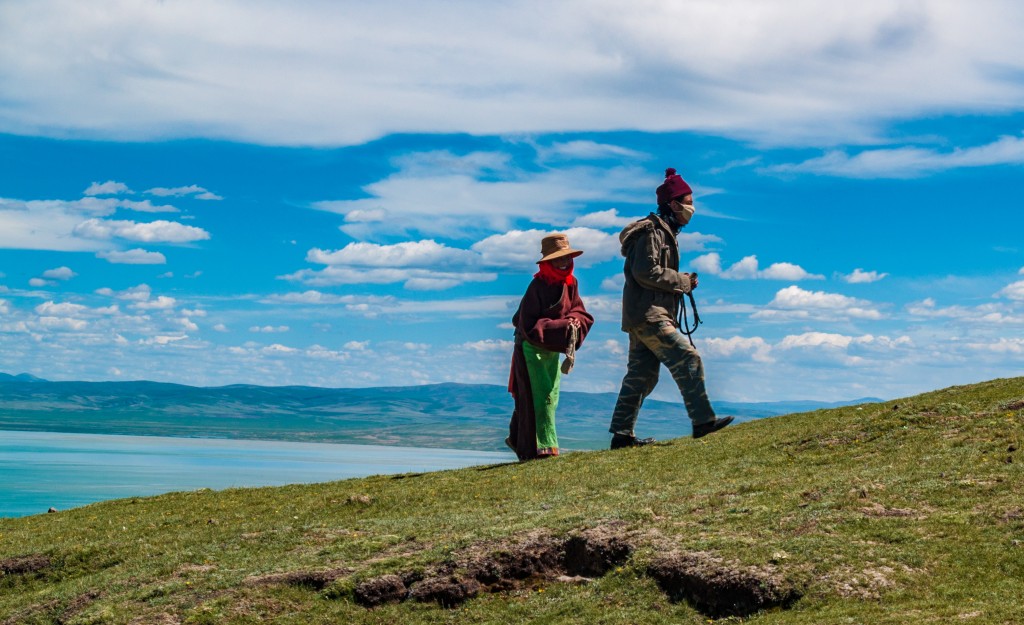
650	307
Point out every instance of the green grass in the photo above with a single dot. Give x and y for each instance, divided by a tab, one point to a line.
908	511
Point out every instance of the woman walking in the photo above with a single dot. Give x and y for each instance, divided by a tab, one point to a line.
551	320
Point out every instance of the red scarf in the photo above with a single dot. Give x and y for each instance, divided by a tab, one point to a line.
549	274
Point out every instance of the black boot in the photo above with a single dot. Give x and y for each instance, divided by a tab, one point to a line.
703	429
622	440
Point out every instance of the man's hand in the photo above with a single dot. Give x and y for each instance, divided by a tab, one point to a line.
693	281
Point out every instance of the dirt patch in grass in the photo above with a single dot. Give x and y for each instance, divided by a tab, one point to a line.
315	580
719	589
55	611
502	567
878	510
23	565
163	618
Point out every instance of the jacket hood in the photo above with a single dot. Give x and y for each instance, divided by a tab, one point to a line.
629	234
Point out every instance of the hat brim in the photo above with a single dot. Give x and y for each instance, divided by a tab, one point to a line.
560	253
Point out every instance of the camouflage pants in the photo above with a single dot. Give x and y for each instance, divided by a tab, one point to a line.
650	346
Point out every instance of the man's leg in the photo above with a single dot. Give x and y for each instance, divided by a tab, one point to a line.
640	379
670	347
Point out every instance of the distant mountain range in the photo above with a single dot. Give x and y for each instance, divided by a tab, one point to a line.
460	416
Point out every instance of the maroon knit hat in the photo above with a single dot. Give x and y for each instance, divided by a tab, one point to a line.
673	187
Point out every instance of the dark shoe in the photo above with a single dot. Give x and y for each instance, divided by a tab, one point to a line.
621	440
703	429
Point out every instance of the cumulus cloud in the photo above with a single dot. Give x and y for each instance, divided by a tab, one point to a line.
445	194
786	73
59	273
194	190
411	278
109	187
520	249
487	345
145	206
426	253
50	224
356	346
135	256
859	276
748	269
162	302
604	219
269	329
755	348
138	293
153	232
908	162
793	302
1013	291
39	283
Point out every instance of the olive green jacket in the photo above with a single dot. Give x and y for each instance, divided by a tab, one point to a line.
654	283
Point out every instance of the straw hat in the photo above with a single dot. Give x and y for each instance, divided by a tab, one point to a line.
555	246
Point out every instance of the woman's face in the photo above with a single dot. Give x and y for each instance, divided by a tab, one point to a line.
562	263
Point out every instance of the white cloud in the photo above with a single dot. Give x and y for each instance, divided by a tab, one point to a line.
487	345
162	302
220	327
64	309
426	253
145	206
49	224
163	339
1014	291
59	273
754	348
39	283
908	162
793	302
520	249
413	279
5	307
62	323
748	269
356	346
784	72
443	194
1001	346
109	187
136	256
586	150
269	329
138	293
859	276
153	232
604	219
194	190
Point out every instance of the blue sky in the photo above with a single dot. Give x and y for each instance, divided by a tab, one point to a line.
340	194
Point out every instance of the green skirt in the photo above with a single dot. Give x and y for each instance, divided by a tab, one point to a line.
545	375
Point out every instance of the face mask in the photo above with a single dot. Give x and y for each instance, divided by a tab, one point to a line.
683	212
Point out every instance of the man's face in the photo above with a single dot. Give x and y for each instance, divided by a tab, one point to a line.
682	208
562	263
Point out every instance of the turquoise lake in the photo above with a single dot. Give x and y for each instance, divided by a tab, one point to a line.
43	469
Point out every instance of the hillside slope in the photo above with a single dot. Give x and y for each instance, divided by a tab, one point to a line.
907	511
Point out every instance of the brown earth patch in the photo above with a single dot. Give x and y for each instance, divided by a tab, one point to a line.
720	589
878	510
381	590
502	567
1016	404
23	565
315	580
163	618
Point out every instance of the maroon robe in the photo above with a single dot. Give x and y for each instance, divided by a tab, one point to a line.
543	320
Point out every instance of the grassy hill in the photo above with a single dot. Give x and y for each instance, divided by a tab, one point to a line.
907	511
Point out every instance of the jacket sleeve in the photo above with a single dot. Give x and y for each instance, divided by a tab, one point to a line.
647	269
